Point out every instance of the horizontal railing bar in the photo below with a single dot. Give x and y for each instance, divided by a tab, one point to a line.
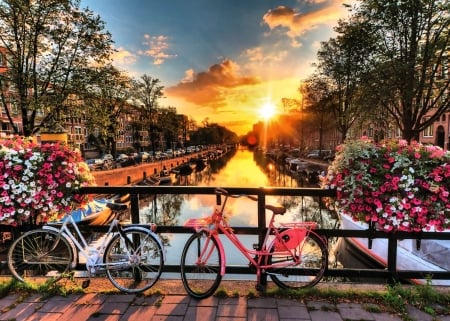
206	190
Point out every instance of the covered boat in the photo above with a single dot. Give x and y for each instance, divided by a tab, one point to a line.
432	256
99	211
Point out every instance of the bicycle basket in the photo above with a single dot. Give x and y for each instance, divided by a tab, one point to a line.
198	223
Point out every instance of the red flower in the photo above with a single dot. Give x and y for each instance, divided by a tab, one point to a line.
34	176
405	187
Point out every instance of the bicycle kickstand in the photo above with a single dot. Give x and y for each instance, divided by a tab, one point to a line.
85	284
261	281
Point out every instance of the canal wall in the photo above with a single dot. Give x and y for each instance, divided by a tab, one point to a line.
132	174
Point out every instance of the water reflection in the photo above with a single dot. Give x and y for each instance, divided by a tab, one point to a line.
237	168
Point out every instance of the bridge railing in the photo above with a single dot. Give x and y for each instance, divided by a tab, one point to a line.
390	273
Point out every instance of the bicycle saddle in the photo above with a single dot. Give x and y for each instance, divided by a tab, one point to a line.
117	206
276	209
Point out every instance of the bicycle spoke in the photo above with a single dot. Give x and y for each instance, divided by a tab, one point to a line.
134	263
313	259
39	256
200	265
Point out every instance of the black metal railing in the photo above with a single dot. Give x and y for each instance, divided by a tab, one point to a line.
390	273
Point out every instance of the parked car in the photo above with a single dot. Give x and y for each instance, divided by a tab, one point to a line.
108	157
145	157
318	154
329	157
95	164
160	155
313	154
169	153
122	157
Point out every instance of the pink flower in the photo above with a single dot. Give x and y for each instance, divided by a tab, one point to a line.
56	164
405	187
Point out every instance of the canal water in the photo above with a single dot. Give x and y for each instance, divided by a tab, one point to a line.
238	168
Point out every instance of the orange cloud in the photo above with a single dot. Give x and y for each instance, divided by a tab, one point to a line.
327	12
157	48
209	87
123	58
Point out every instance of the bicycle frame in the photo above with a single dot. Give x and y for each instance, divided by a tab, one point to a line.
92	255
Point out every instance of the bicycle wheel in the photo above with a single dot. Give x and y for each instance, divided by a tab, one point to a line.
200	265
39	256
313	255
134	263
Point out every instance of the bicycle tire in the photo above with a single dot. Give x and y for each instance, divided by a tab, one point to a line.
314	260
40	257
201	280
134	266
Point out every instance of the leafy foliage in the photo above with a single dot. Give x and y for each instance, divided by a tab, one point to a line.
48	45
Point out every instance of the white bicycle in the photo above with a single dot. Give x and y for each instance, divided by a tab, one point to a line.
131	255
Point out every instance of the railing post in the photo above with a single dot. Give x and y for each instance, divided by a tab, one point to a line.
392	257
134	198
262	229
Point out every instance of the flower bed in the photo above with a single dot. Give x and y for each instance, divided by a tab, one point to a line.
397	186
39	180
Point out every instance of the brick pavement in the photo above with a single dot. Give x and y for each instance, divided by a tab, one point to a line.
179	307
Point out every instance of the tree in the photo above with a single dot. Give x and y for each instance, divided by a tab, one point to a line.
213	134
105	97
409	71
146	94
319	101
171	126
47	42
342	62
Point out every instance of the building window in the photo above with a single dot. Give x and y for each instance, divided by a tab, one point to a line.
428	132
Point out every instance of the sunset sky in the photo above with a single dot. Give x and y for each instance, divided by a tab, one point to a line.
220	59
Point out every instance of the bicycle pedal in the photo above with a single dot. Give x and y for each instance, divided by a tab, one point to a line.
260	288
85	284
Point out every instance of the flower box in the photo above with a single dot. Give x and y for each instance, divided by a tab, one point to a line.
393	184
39	180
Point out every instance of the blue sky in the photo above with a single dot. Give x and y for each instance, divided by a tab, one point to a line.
220	60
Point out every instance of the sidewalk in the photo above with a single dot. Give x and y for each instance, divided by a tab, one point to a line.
177	306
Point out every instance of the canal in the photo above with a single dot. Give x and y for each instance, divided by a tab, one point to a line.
238	168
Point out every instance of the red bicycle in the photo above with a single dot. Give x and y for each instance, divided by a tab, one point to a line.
292	254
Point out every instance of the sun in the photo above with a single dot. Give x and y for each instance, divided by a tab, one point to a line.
267	110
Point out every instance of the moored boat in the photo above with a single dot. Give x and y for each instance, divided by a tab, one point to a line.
164	177
296	166
183	170
150	181
432	256
99	211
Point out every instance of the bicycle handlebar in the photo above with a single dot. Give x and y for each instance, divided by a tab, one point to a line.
219	191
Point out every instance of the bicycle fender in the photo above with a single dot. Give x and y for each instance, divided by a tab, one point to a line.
146	230
74	248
